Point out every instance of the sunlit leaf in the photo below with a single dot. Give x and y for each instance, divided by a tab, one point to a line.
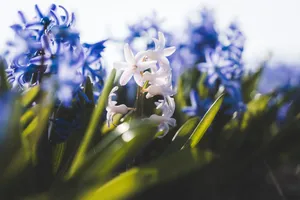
30	95
140	179
126	141
182	135
205	122
116	121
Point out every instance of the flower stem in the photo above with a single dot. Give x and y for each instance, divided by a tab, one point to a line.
139	101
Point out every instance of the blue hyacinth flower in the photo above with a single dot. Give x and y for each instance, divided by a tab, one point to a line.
198	106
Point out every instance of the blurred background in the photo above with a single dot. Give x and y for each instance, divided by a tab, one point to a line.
269	25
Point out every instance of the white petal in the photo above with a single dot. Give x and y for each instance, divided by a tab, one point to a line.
129	57
152	54
122	109
148	95
120	65
138	79
172	122
169	51
156	42
126	76
146	65
164	60
140	55
162	41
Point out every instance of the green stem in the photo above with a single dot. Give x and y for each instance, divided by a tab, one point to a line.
139	102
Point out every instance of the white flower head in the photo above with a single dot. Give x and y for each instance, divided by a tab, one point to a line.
134	66
163	90
160	77
113	109
160	53
165	119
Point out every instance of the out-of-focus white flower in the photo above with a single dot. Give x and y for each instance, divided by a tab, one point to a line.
160	52
134	66
165	119
113	109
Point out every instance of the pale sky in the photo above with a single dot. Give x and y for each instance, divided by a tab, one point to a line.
269	25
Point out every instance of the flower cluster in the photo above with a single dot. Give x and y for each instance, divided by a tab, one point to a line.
202	35
49	46
152	73
144	29
224	68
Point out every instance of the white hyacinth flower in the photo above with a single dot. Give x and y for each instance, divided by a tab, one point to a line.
134	66
160	53
163	90
165	119
160	77
113	109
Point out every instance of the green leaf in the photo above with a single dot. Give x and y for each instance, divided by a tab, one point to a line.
30	95
125	144
14	156
37	127
92	127
163	170
29	115
182	135
116	121
57	156
202	89
205	122
249	85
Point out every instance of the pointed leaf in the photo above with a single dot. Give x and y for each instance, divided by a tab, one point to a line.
139	179
205	122
182	135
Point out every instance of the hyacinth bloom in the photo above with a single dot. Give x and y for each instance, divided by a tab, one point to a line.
113	109
163	90
158	75
141	30
165	119
160	52
216	67
51	45
134	66
202	35
198	106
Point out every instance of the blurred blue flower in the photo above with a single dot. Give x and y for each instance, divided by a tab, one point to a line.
202	36
198	106
145	29
224	67
234	100
232	42
216	67
49	45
